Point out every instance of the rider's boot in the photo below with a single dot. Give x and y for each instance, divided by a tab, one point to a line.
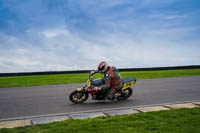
111	94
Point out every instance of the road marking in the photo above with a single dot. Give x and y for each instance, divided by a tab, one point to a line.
184	105
197	103
50	119
153	108
121	112
87	115
25	121
61	114
16	123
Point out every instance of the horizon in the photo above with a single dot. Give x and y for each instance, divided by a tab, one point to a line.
140	69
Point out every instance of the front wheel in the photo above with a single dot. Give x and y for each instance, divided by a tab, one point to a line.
125	94
78	97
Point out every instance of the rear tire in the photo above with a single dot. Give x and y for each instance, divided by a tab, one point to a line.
125	94
78	97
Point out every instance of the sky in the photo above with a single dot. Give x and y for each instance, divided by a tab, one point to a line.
61	35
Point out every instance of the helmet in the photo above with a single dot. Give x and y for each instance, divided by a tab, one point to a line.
102	67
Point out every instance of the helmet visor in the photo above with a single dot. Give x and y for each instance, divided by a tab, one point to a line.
102	68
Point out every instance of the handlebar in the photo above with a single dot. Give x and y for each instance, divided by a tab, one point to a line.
92	73
90	77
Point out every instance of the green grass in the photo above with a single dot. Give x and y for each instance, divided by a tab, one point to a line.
19	81
171	121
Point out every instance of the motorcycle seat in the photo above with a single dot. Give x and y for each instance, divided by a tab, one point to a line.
126	80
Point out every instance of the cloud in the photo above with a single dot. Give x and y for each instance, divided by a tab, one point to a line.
55	32
64	50
76	35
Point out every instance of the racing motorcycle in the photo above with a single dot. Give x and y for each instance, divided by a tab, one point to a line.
80	95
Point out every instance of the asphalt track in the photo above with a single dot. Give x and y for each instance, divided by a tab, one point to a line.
53	99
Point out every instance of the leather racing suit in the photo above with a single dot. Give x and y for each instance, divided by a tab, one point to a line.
113	81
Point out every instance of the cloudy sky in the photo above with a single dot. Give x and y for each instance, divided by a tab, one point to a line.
53	35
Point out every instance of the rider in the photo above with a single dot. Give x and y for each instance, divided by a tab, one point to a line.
113	80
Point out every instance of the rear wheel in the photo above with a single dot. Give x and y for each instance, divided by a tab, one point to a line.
78	97
125	94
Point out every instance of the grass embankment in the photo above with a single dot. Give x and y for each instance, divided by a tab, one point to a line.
172	121
19	81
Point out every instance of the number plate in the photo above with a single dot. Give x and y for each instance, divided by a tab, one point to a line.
88	84
127	85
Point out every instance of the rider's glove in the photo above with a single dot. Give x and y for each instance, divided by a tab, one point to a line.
92	72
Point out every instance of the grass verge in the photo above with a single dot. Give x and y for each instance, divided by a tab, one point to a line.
171	121
19	81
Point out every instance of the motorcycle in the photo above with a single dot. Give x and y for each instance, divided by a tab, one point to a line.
80	95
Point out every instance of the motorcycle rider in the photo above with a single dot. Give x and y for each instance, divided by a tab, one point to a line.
113	80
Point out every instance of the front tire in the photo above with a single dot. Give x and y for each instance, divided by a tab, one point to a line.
78	97
125	94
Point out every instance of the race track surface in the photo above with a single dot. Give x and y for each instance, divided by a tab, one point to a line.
53	99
